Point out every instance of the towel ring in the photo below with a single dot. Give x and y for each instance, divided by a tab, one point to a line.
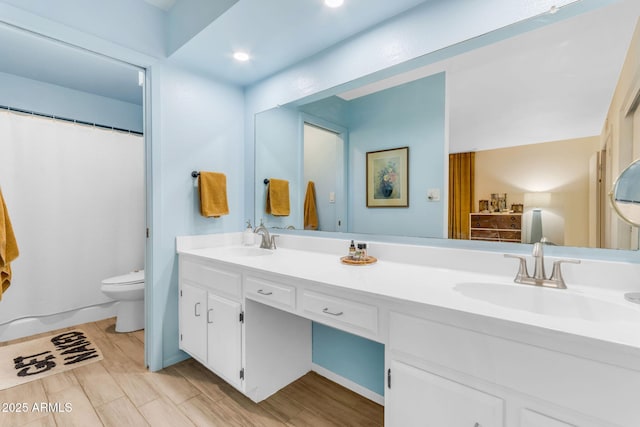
195	174
266	181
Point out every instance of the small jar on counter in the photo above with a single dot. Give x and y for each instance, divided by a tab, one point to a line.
362	251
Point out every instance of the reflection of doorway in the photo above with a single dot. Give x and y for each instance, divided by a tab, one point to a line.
324	163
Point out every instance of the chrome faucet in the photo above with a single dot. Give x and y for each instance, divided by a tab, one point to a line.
268	241
538	261
539	277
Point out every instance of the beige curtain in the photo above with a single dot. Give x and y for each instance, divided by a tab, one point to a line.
461	190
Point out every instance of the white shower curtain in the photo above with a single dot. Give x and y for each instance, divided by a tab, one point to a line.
75	196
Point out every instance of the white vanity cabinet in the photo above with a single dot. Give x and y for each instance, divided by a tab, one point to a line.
224	338
246	338
211	317
443	372
193	322
449	362
420	398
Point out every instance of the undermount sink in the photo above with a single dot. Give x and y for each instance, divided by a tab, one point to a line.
247	251
550	302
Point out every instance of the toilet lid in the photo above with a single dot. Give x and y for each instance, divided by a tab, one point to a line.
126	279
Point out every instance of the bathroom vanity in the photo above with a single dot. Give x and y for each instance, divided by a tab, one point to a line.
463	346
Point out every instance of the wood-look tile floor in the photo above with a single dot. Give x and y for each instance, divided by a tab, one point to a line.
119	391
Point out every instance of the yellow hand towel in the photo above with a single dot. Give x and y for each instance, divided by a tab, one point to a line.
278	197
213	194
8	247
310	211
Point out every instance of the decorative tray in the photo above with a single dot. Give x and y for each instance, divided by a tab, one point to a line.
365	261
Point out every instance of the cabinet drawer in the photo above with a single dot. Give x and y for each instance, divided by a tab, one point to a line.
482	221
341	311
510	235
509	222
213	278
485	234
270	293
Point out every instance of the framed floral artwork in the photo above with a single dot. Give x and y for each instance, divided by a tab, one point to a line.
388	178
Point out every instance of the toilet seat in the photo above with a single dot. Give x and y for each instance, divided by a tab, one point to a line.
126	279
121	288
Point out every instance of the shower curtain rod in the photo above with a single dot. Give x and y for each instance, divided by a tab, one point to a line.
66	119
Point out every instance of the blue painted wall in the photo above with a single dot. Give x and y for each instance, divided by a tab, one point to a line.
411	115
280	153
32	95
195	126
353	357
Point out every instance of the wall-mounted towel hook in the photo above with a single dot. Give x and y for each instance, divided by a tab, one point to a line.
266	181
195	174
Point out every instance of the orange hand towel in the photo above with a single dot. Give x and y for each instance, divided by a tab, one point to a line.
8	247
278	197
310	211
213	194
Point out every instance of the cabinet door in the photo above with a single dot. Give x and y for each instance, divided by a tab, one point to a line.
193	325
420	398
224	332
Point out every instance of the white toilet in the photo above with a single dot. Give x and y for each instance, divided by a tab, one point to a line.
128	290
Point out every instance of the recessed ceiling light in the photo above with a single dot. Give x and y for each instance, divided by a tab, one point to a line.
241	56
333	3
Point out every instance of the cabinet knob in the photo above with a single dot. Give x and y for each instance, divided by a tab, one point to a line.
477	425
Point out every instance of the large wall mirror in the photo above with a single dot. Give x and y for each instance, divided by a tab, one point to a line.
527	131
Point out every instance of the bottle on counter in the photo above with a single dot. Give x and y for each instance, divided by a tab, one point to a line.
352	250
248	235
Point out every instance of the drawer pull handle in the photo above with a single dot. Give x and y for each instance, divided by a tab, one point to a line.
195	309
261	292
333	313
209	315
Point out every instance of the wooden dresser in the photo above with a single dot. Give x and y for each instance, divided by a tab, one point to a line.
496	227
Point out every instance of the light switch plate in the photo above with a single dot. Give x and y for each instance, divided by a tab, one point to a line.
433	194
332	197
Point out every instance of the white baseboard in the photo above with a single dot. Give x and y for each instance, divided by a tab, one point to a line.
35	325
347	383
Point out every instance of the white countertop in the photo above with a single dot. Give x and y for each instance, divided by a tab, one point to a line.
591	312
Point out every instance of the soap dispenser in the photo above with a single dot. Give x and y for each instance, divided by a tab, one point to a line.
248	236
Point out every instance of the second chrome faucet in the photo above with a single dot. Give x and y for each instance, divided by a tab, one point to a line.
539	278
268	240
